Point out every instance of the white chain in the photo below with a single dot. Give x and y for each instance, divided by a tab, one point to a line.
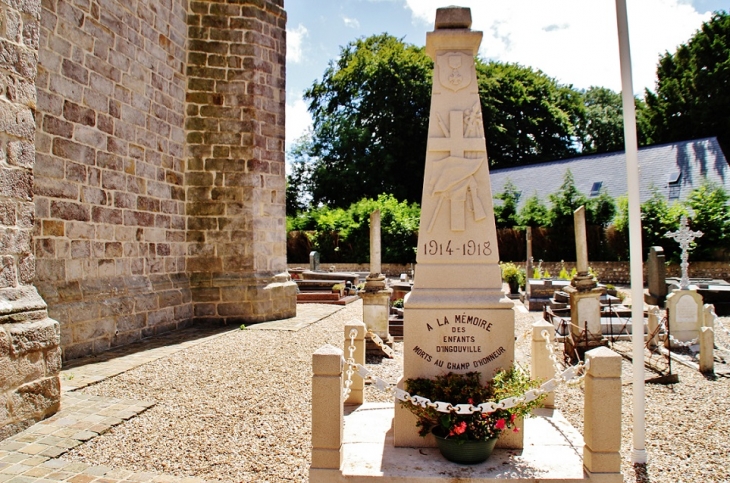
350	366
561	377
379	342
677	342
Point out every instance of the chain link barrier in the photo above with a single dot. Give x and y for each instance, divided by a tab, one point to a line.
677	342
562	376
350	361
380	343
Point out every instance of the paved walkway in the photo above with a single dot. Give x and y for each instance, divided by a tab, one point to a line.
34	455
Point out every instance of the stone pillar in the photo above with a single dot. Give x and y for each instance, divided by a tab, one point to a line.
235	179
358	383
585	298
528	262
30	357
602	415
375	248
376	297
710	315
541	365
707	350
652	326
327	408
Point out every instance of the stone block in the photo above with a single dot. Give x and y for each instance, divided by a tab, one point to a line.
36	399
33	336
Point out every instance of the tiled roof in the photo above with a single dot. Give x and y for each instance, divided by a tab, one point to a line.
694	161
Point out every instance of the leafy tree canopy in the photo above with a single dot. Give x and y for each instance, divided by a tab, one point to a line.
505	214
600	129
370	115
692	98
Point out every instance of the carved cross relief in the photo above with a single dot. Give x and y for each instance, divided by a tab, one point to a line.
452	178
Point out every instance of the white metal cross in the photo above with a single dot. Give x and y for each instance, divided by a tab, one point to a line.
684	236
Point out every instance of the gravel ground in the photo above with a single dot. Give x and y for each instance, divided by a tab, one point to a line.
238	409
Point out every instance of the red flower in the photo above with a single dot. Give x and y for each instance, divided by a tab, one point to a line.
470	401
512	418
459	428
516	430
500	424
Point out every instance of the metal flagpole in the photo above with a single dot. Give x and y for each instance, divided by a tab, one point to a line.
638	454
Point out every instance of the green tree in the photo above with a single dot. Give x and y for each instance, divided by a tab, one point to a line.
528	116
692	98
370	116
657	218
534	213
708	205
564	202
601	127
600	210
505	214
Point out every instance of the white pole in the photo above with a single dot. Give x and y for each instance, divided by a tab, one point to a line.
638	455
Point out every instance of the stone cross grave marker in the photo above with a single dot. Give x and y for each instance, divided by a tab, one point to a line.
684	236
456	318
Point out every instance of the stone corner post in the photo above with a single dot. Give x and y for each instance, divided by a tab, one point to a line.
707	350
327	408
602	415
541	367
358	384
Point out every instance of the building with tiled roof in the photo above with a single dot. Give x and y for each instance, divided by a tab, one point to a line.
675	169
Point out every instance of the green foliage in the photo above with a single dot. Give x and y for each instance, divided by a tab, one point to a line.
563	275
528	116
534	213
344	234
505	214
370	117
398	304
512	274
243	327
692	98
711	215
467	389
565	202
600	210
601	127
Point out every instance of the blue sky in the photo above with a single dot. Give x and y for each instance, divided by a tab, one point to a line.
573	41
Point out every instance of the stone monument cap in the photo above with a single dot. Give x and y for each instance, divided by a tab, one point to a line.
453	17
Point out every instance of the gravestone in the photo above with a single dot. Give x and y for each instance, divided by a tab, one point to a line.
585	304
656	277
685	310
456	318
376	296
314	261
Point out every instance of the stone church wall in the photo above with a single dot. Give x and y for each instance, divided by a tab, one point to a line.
30	357
110	203
160	167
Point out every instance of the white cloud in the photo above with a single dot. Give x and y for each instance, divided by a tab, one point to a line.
294	43
352	23
298	120
575	41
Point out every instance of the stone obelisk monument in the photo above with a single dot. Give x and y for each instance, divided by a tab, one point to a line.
456	318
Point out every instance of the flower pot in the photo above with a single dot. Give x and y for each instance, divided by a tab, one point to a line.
514	286
465	452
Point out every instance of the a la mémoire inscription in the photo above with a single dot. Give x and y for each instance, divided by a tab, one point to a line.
459	334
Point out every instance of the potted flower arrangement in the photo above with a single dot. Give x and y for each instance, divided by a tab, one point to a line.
469	438
514	276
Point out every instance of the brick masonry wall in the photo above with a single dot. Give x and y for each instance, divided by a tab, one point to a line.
110	203
235	179
30	357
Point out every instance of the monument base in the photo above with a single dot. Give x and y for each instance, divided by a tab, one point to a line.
552	453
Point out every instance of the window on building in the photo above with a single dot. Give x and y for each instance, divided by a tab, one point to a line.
596	188
674	188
